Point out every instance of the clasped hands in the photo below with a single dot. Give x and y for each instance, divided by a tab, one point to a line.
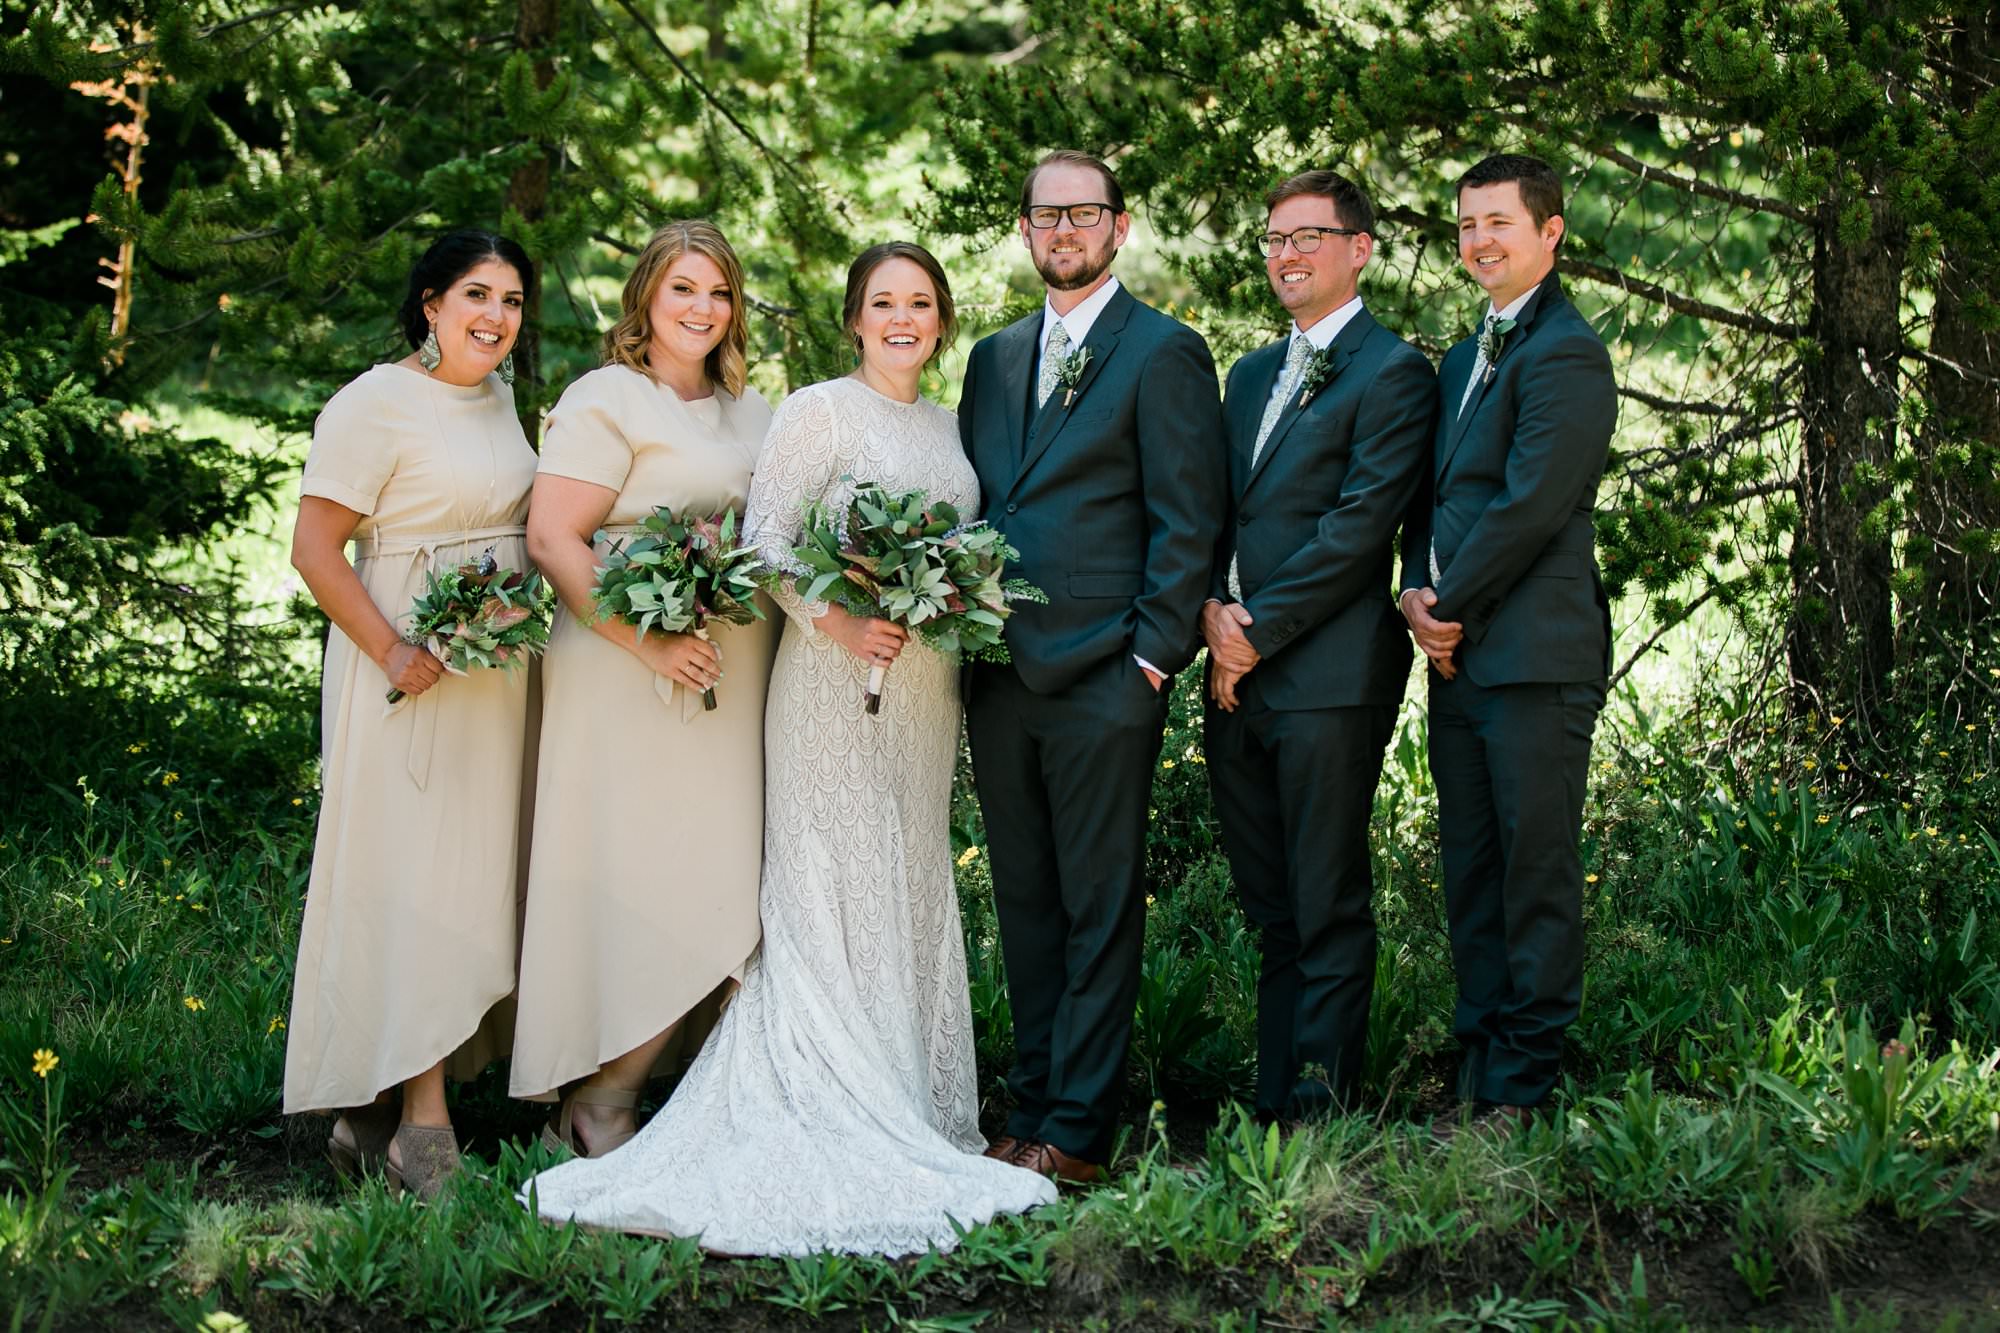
1230	654
1439	639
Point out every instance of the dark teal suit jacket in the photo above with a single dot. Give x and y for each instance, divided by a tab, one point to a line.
1511	498
1313	524
1112	499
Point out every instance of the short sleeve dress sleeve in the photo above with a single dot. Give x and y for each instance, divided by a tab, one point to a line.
584	440
352	457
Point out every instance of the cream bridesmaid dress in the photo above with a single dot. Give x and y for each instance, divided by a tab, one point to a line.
642	896
407	948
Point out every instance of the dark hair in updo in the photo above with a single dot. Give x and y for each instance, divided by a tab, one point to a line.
451	257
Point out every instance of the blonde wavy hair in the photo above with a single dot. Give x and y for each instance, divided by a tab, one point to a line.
625	343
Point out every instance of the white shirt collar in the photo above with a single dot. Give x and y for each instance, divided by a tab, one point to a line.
1079	320
1328	327
1514	306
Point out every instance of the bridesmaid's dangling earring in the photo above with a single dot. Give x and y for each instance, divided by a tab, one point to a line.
430	356
507	368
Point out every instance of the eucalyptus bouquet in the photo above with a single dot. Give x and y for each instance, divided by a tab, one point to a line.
681	575
480	615
912	561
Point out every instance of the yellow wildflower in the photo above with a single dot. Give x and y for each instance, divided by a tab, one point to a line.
169	779
968	856
298	800
45	1060
1822	819
136	747
193	1003
1930	830
1811	764
1166	763
1590	879
277	1024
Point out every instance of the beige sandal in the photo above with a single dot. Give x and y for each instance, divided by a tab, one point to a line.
562	1134
430	1160
372	1134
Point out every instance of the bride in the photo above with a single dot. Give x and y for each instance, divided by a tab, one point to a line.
835	1107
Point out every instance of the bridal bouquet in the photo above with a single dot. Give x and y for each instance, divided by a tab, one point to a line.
681	574
479	615
910	560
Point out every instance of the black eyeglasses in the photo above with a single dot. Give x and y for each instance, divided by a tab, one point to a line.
1085	216
1305	240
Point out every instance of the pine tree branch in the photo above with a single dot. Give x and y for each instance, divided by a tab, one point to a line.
1659	634
1695	185
276	11
805	182
1662	403
1676	302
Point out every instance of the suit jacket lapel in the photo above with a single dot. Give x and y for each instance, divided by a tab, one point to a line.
1103	338
1545	296
1341	351
1016	355
1259	376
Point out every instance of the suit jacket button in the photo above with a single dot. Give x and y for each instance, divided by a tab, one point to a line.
1243	520
1012	507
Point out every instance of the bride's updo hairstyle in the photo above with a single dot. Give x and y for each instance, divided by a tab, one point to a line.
625	342
864	267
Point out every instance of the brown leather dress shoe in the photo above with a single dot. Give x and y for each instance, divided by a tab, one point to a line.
1048	1160
1005	1148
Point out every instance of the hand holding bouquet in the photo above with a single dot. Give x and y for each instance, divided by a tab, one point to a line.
681	575
911	561
479	615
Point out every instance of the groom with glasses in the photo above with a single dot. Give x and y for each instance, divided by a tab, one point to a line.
1329	429
1095	427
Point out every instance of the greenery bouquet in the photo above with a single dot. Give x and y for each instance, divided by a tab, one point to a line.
480	615
912	561
680	575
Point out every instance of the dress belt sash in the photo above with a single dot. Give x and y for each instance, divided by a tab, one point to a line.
425	546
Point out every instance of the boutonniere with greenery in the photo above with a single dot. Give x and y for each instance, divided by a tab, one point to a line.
1069	375
1314	376
1493	341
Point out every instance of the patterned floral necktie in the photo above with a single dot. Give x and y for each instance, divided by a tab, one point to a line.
1053	357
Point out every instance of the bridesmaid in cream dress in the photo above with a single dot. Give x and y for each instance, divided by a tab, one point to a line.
407	945
642	896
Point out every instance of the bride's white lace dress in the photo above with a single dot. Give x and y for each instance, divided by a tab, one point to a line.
835	1105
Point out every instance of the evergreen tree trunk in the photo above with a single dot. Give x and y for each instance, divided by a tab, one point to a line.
528	196
1841	639
1961	491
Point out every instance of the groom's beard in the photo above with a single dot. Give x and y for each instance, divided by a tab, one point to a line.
1091	266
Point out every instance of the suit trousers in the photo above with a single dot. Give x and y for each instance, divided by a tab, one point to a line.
1064	780
1294	790
1511	763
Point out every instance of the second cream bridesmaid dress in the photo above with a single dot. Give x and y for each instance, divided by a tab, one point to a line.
649	810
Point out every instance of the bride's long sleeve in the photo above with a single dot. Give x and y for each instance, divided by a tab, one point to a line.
800	463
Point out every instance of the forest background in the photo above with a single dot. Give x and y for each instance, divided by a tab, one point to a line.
1784	219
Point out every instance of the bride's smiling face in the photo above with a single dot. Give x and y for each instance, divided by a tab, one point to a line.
899	326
